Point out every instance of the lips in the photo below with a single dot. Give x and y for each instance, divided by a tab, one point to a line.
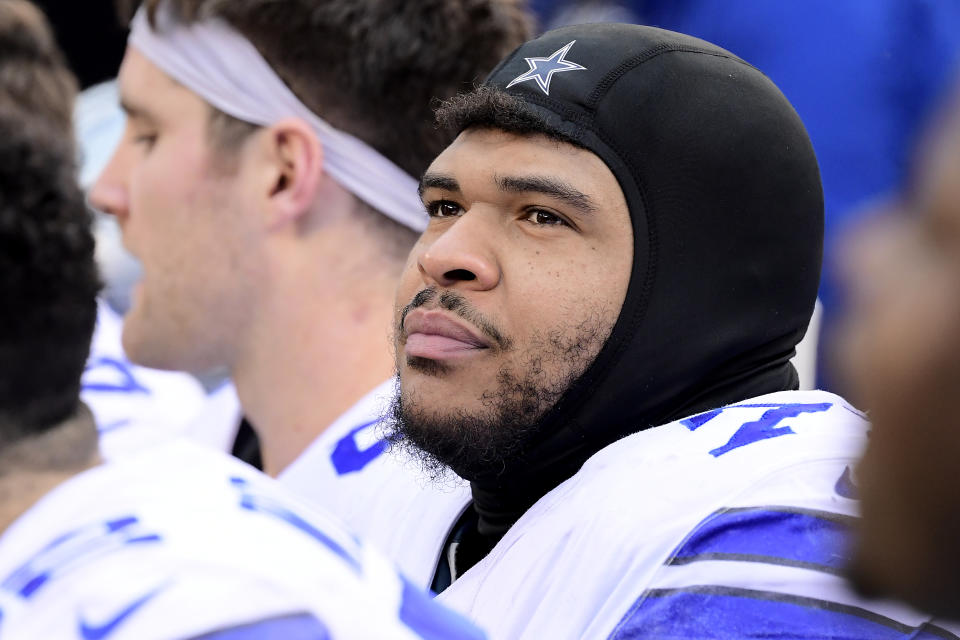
436	336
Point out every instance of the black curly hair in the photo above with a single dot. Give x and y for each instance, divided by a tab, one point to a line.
48	277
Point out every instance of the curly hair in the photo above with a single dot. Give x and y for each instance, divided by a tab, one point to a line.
373	68
492	108
48	277
34	76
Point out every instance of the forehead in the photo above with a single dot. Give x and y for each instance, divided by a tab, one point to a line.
146	88
483	155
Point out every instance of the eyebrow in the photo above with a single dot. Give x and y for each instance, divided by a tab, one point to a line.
135	111
437	181
519	184
552	187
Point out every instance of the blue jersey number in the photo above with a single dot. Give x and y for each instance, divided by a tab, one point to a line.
768	426
74	548
348	457
117	376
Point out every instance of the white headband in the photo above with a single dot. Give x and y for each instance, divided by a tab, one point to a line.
218	64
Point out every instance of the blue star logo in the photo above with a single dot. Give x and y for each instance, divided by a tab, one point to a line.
542	69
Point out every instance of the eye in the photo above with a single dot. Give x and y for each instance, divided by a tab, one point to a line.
145	140
544	218
443	209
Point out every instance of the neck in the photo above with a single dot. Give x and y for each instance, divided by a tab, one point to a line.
321	345
32	467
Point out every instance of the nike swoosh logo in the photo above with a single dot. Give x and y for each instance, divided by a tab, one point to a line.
101	631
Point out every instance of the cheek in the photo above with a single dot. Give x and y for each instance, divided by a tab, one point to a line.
409	285
564	290
174	170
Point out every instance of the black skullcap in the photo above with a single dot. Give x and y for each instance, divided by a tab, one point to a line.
727	210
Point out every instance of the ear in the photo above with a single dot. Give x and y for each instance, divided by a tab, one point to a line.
294	167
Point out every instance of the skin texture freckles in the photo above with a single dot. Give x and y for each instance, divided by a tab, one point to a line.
520	262
902	356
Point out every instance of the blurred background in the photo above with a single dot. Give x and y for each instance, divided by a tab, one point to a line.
863	74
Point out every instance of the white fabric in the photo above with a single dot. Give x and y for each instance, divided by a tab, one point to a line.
218	423
578	563
806	359
134	407
226	70
211	561
388	501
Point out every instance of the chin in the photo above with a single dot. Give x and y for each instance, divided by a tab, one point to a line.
146	354
428	367
147	349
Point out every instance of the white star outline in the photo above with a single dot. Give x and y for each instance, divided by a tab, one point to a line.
557	64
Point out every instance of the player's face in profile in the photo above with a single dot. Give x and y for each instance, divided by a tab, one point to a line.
513	288
902	352
182	216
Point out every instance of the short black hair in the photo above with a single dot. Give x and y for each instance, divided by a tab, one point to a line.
488	107
48	277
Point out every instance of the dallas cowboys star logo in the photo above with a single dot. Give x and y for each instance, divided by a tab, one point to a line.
542	69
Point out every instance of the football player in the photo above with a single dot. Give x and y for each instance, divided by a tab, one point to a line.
596	330
179	542
133	406
902	354
265	182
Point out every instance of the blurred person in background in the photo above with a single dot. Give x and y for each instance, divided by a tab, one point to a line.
178	542
34	76
133	406
265	181
902	355
92	41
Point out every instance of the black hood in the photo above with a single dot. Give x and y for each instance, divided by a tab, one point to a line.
724	194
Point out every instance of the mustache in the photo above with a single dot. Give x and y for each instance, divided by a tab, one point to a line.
458	305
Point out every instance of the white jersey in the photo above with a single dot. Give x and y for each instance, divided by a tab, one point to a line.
185	541
380	493
134	407
218	423
730	524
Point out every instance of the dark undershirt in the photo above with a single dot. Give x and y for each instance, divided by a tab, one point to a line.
468	548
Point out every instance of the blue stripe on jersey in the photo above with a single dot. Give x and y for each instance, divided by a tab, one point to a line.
725	613
773	535
296	627
272	505
431	620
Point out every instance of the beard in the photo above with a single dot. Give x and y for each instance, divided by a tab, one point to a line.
491	439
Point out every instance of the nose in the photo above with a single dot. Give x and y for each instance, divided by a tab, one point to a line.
109	193
462	255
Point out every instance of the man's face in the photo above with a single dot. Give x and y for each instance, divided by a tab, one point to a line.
183	217
509	294
902	353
